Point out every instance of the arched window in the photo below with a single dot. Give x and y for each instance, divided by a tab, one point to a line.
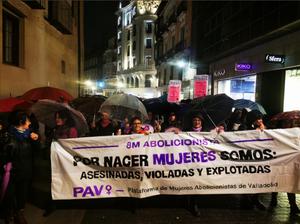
132	82
136	82
148	81
128	81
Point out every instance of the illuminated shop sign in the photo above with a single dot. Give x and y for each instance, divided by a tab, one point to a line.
243	67
219	73
275	58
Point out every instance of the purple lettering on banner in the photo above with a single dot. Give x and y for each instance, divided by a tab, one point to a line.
88	191
98	190
77	190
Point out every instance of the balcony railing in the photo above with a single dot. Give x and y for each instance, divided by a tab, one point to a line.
36	4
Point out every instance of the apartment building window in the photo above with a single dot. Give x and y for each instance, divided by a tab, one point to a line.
119	66
128	82
148	81
172	73
128	18
137	82
133	45
119	50
159	78
128	35
180	74
148	43
148	60
128	50
134	61
134	30
148	27
11	38
60	15
132	82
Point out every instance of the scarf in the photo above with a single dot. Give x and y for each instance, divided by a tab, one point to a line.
197	129
21	135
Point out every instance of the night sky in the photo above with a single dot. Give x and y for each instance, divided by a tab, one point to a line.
100	24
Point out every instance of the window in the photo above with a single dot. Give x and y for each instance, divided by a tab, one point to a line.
159	78
133	45
148	43
148	27
165	77
128	50
128	18
119	35
119	50
136	82
119	66
128	35
180	74
128	81
148	61
132	82
148	81
172	73
134	61
134	30
11	38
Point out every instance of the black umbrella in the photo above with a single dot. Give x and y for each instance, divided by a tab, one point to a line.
213	108
88	105
160	107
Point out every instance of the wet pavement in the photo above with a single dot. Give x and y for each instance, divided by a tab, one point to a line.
163	210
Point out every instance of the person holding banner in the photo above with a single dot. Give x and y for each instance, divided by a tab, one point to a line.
291	196
255	122
103	127
197	122
65	128
171	123
136	126
19	167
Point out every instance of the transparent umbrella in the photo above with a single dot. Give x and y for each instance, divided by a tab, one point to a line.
44	110
120	106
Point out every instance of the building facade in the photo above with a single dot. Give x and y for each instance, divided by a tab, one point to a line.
136	72
173	52
42	45
92	74
110	68
252	50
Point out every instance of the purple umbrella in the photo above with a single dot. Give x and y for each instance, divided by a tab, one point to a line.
5	180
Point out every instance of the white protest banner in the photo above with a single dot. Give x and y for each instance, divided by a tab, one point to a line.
185	163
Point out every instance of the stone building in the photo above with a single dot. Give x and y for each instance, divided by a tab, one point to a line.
136	70
42	45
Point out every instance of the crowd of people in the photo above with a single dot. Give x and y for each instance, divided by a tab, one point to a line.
19	136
